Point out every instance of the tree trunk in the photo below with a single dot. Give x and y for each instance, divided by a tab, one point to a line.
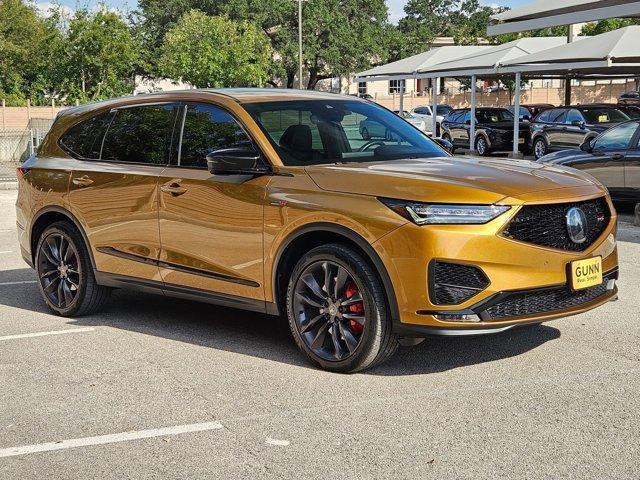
313	79
290	78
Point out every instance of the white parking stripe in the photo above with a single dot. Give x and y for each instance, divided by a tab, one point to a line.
44	334
6	251
111	438
18	283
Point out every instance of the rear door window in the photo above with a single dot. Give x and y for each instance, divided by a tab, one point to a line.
557	115
84	140
573	116
141	134
208	128
544	116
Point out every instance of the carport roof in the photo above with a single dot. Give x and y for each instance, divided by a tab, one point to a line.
486	61
551	13
407	67
612	52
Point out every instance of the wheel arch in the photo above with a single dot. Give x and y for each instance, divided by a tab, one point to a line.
51	214
308	236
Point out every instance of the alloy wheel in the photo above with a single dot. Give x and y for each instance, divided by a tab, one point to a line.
58	270
540	149
329	310
481	146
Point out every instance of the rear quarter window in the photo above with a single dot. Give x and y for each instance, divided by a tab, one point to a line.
84	140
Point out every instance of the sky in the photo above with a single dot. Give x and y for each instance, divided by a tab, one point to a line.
395	6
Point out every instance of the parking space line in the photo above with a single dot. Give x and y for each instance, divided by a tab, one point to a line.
44	334
22	282
5	251
110	438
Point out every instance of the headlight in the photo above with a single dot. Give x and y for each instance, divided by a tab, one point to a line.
430	214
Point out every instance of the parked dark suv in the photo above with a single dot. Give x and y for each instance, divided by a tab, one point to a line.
569	127
632	98
494	130
613	157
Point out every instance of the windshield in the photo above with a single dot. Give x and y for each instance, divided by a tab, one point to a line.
443	110
315	132
603	115
494	116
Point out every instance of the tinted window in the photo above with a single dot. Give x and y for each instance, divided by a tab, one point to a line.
573	115
140	135
208	128
557	115
544	116
344	129
443	109
84	140
466	117
454	116
603	115
494	116
630	112
616	138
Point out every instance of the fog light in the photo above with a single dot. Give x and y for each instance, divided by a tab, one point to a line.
457	317
611	284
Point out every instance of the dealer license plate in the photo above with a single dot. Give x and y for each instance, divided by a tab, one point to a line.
586	273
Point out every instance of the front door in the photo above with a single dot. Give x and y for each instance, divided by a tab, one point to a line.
115	193
211	226
607	161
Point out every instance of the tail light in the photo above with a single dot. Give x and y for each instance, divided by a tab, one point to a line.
21	171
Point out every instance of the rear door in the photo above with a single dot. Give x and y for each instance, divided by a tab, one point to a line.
211	226
115	194
632	171
555	129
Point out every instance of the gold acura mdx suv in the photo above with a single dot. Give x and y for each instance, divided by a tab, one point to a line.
272	201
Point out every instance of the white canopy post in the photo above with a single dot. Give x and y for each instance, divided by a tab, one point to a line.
401	106
516	115
434	107
472	127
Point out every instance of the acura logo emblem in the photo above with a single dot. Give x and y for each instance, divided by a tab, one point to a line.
577	225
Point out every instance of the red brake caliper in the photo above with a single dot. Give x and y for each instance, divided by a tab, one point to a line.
356	308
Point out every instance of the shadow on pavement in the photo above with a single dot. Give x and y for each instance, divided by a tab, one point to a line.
264	336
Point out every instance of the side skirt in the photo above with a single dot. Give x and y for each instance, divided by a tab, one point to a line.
177	291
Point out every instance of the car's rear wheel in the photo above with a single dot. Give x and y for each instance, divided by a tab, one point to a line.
65	275
540	147
337	310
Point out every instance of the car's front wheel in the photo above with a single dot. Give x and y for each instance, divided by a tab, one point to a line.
482	147
540	147
337	310
65	275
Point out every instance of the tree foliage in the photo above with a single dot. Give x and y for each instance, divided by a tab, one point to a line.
213	51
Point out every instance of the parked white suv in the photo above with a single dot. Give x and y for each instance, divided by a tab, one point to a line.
425	112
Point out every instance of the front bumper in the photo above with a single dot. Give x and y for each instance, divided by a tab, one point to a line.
516	271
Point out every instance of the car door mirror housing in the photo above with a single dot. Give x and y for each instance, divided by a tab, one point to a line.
577	123
446	144
236	161
587	146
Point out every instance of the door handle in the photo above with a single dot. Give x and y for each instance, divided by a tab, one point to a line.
173	187
83	181
617	156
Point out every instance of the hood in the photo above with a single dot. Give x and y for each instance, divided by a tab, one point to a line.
563	156
448	179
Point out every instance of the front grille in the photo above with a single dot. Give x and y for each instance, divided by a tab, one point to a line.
546	225
453	283
519	304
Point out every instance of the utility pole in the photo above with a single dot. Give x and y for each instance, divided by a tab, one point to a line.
300	43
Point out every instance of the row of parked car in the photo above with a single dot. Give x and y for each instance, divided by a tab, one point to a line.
602	139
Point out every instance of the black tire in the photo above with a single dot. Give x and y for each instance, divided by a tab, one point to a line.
74	276
482	146
446	137
540	147
376	341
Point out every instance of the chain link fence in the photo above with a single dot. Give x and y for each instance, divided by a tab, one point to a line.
17	145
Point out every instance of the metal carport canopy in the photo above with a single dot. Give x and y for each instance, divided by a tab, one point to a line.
553	13
407	67
611	53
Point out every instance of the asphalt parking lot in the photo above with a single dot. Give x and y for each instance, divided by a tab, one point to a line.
162	388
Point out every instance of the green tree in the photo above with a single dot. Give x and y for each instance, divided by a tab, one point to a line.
603	26
213	51
101	56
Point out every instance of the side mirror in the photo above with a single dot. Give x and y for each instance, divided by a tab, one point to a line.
577	123
446	144
526	118
587	146
236	161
